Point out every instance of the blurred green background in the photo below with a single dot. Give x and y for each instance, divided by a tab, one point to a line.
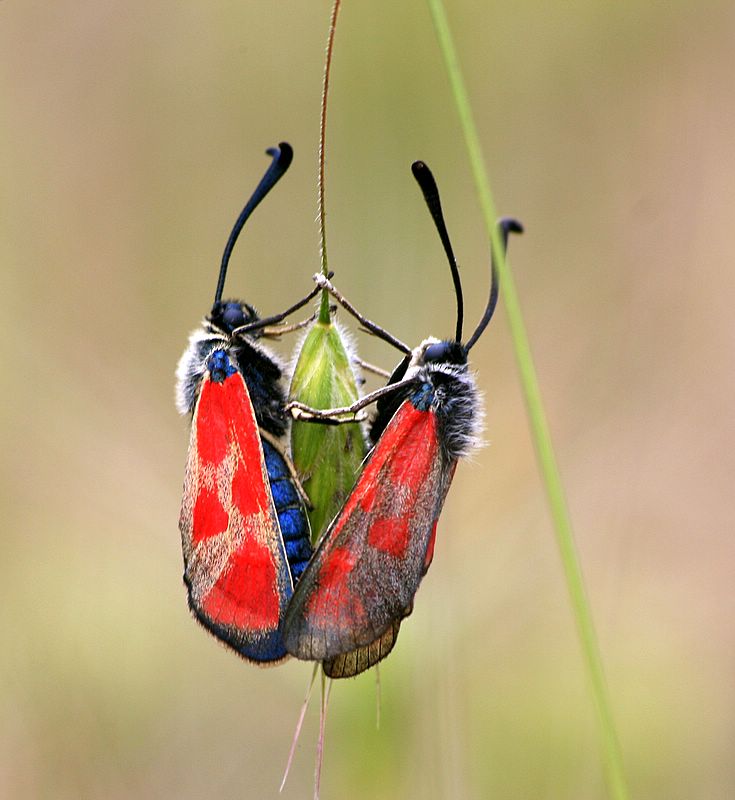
132	133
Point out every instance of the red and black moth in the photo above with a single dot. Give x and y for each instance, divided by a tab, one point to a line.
362	579
244	531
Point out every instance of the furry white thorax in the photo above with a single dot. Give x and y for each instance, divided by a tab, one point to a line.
457	400
192	365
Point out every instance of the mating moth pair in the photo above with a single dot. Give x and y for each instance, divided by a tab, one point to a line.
251	575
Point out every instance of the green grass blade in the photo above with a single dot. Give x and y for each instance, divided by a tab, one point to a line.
539	428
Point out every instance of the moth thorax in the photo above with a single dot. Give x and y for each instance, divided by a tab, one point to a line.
219	366
458	408
192	366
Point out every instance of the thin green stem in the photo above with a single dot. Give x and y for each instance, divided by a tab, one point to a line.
539	427
324	306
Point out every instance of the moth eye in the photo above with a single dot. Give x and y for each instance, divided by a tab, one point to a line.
445	353
437	352
233	316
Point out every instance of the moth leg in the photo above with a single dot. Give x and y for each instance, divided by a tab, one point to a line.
368	367
274	331
335	416
276	318
370	327
305	415
281	450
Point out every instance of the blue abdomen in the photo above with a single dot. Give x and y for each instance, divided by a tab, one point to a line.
290	511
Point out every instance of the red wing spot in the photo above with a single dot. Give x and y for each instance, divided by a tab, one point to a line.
369	483
430	549
336	567
212	425
407	449
248	491
210	519
332	584
246	595
368	497
240	411
390	535
409	443
349	616
392	441
409	464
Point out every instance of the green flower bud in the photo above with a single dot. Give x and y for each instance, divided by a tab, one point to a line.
326	457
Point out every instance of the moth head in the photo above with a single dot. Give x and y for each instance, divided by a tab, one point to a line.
437	351
227	315
447	352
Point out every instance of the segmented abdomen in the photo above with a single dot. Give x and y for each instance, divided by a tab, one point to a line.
290	512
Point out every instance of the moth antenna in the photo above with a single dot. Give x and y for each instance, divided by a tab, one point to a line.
426	181
505	226
322	213
282	157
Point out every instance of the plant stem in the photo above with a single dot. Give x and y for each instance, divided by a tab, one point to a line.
537	418
324	307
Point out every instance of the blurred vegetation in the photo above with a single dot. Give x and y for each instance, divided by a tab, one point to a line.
132	134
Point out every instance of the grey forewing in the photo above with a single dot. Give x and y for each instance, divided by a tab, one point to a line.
381	582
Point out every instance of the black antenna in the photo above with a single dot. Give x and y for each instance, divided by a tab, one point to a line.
282	157
505	226
426	181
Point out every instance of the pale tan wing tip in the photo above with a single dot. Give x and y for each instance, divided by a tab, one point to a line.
348	665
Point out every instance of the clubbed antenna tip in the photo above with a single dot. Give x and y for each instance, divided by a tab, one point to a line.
282	157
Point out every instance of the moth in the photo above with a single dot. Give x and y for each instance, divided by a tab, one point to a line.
362	579
244	531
